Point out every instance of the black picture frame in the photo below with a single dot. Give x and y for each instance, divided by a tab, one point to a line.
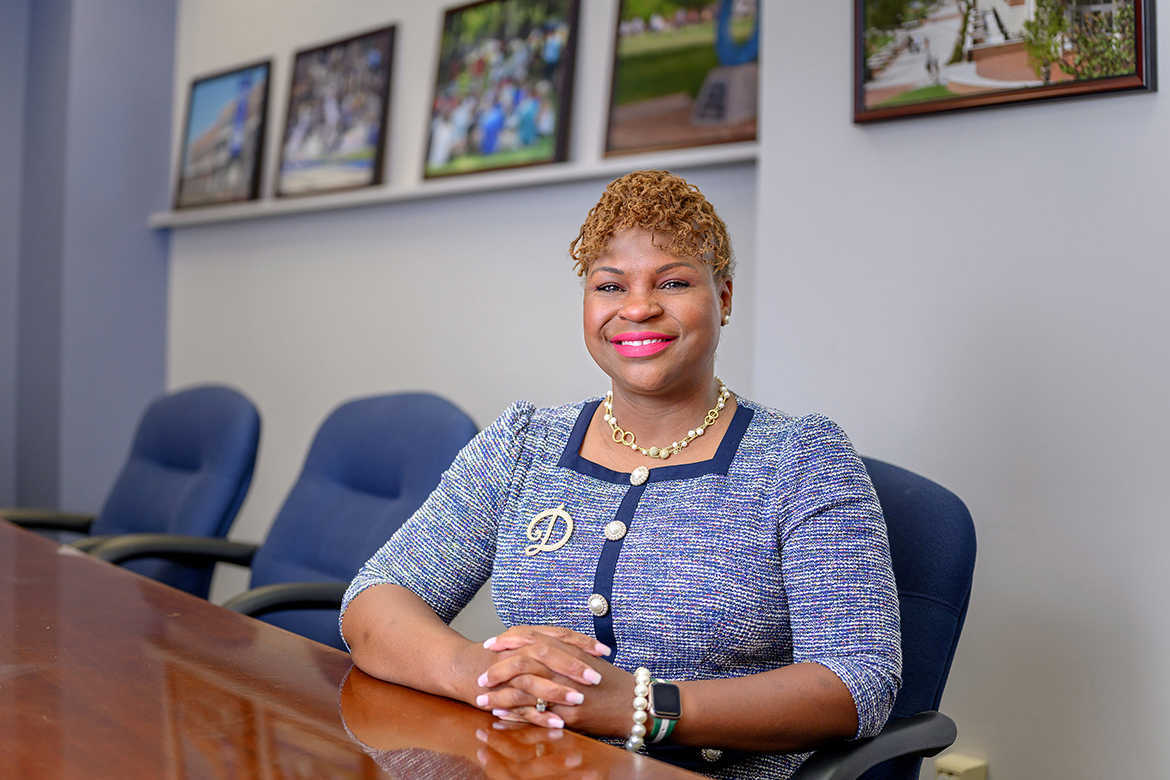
221	156
326	143
463	116
897	75
700	92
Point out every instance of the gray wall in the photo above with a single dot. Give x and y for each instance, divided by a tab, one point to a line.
997	284
92	277
13	53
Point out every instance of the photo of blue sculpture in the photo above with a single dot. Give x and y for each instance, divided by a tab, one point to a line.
685	74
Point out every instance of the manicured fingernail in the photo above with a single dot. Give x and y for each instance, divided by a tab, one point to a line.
573	760
482	700
502	713
591	676
481	735
482	681
604	649
573	697
556	722
489	643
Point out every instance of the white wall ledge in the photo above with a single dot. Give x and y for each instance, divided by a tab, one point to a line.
515	178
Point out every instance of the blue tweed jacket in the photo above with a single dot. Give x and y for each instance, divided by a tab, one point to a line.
771	553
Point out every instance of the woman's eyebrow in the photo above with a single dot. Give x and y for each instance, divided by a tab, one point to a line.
668	266
608	268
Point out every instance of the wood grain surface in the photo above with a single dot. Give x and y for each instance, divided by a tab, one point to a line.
106	674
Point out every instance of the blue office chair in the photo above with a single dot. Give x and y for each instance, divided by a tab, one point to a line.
932	545
372	463
189	468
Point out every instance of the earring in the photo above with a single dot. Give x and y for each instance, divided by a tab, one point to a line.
726	318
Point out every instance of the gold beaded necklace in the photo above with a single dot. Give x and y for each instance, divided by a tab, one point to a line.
627	438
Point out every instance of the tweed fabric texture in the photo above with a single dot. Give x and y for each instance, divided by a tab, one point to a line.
772	553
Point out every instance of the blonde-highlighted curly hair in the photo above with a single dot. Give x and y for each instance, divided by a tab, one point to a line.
664	204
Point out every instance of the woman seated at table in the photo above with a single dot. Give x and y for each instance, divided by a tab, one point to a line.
682	569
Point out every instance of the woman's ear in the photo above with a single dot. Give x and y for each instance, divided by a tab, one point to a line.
725	289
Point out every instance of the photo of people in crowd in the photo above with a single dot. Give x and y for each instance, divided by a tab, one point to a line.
685	74
223	138
334	133
931	55
504	85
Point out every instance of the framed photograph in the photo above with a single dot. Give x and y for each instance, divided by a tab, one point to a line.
223	137
684	74
504	86
338	104
925	56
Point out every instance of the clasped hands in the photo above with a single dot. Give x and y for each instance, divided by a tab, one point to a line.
567	670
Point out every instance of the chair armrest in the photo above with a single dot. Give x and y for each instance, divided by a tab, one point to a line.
921	735
174	547
288	595
48	520
87	543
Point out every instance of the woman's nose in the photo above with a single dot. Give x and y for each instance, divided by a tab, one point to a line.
641	306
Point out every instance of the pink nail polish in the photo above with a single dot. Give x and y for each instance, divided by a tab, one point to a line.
481	735
501	713
574	697
592	676
482	700
482	682
490	642
556	722
604	649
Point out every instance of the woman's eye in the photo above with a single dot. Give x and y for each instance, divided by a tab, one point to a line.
608	287
675	284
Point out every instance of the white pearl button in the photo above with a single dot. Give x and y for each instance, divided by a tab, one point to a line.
598	605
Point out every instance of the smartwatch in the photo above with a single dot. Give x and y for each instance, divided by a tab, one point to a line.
665	702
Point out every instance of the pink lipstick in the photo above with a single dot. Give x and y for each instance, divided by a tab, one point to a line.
641	344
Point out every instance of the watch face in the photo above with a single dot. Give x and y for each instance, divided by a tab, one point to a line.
665	701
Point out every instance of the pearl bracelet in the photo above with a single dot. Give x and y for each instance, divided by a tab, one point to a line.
641	705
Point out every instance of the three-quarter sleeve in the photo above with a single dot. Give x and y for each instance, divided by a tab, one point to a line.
835	558
444	552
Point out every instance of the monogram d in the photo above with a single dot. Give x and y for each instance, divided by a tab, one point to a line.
542	527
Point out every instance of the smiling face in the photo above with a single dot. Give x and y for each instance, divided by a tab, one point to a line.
652	319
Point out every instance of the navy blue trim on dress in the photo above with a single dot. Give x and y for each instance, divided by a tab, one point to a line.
607	565
719	464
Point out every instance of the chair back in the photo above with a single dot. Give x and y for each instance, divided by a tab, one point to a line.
373	462
932	548
189	468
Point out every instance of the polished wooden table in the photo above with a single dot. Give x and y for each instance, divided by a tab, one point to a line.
106	674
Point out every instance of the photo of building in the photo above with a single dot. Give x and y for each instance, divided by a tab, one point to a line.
925	51
224	140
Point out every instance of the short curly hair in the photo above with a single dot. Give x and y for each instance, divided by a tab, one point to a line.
663	203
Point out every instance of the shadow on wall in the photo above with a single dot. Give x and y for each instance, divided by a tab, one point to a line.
1084	701
1039	416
